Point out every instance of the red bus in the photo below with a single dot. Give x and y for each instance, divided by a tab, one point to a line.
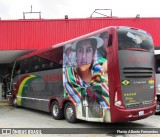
103	76
157	77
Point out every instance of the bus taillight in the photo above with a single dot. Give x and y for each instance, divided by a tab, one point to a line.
118	97
155	100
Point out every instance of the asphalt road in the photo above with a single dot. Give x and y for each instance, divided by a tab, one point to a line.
11	117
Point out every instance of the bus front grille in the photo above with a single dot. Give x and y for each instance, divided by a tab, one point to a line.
137	72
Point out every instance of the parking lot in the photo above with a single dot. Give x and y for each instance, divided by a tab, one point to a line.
27	118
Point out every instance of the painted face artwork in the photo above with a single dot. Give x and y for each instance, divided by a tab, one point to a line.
68	52
84	53
87	77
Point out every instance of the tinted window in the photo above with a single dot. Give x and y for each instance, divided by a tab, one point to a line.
25	66
52	59
157	63
17	69
134	39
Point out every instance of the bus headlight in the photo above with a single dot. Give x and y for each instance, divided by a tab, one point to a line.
155	98
118	97
118	103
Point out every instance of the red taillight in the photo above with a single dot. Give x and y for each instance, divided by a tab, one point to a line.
118	88
118	97
155	100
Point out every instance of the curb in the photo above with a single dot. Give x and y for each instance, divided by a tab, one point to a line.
4	103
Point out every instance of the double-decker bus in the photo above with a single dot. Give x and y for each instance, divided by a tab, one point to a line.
103	76
157	77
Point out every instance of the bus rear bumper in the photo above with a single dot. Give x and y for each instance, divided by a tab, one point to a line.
131	115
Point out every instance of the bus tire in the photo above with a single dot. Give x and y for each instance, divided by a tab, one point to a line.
56	111
70	113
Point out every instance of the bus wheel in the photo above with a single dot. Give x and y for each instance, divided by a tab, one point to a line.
69	113
56	112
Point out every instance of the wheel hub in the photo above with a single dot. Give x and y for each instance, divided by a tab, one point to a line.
55	110
69	112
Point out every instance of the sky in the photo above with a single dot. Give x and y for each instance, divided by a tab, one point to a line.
57	9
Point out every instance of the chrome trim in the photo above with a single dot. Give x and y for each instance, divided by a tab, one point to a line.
33	98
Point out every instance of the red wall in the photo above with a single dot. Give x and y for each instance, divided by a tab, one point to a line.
34	34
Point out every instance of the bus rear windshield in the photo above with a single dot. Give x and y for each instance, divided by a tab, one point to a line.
130	39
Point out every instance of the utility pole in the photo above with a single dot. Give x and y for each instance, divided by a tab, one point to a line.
31	12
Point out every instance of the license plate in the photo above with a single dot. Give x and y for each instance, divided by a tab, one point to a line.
141	113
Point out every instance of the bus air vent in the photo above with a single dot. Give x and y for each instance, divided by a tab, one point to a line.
137	72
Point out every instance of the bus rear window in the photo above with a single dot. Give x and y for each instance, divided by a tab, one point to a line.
129	39
157	58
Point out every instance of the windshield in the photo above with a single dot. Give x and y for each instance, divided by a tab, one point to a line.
131	39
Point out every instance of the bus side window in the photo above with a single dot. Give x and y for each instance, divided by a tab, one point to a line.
51	65
158	70
157	63
26	69
23	69
34	64
54	65
37	67
17	69
45	66
51	59
57	57
24	66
